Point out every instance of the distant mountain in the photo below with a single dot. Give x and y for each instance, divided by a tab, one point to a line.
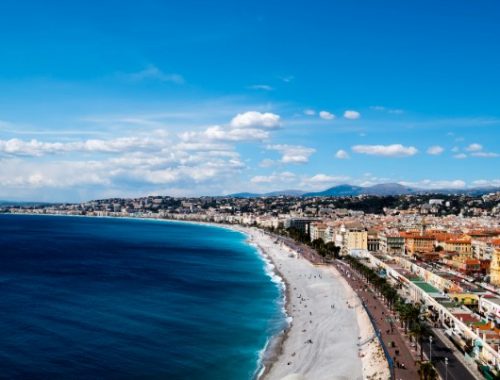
337	191
290	193
244	195
383	189
389	189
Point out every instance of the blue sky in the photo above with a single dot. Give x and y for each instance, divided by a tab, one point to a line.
117	98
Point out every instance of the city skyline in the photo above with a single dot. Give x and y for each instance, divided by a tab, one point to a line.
204	99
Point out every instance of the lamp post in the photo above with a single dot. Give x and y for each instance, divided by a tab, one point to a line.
430	349
446	368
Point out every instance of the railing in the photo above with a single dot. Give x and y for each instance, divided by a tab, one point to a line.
386	351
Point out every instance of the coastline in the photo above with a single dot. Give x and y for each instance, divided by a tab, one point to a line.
334	347
339	348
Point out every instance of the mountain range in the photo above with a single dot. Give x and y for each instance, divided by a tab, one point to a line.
382	189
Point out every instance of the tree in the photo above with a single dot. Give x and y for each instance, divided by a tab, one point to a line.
427	371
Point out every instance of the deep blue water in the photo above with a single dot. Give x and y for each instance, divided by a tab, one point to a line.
88	298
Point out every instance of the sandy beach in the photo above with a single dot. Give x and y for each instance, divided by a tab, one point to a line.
330	335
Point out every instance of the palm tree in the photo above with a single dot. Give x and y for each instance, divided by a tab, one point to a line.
404	311
420	330
427	371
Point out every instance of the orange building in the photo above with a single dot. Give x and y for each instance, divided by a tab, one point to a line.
416	242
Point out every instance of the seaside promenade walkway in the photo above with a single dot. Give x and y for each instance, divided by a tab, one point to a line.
405	366
392	334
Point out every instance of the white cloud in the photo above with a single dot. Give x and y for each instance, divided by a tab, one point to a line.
267	163
154	73
485	154
287	79
221	134
276	178
263	87
17	147
435	150
310	112
394	150
486	183
460	156
341	154
293	154
326	179
394	111
474	148
352	115
254	119
325	115
436	184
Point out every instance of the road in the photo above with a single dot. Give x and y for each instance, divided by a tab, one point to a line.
456	369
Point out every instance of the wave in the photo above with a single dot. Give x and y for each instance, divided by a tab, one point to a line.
270	351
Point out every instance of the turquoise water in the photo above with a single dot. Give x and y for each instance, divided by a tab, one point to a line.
109	298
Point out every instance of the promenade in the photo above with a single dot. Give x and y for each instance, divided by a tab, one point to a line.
405	366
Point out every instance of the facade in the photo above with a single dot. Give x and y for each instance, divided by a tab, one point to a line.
395	244
460	245
373	242
495	265
350	238
419	243
318	231
301	224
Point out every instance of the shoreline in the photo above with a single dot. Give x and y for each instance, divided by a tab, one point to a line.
282	357
283	362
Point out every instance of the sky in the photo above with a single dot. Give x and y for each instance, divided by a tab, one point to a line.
127	98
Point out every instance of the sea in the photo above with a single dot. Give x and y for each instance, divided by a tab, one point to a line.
113	298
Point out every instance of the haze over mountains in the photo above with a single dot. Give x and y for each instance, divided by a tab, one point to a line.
382	189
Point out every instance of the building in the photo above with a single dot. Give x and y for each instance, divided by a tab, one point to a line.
351	237
495	264
373	241
318	230
301	224
416	242
395	244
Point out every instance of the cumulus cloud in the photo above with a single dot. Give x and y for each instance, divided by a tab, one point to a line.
198	161
460	156
221	134
325	179
352	115
325	115
254	119
393	150
310	112
293	154
341	154
474	147
435	150
17	147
